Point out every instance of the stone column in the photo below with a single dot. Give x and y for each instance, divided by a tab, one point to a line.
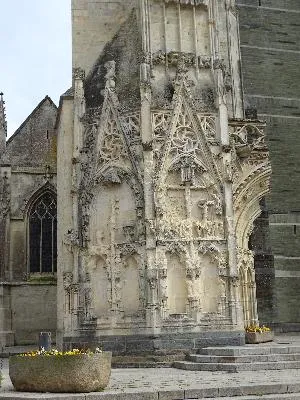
234	59
5	198
79	110
147	142
223	133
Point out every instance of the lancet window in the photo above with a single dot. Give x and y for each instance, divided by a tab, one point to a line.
42	232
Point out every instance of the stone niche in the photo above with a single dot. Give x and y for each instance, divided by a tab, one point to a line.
164	194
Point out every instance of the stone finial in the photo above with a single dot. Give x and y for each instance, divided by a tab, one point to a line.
3	123
78	73
110	74
3	126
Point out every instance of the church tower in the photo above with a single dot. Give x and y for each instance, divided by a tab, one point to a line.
162	179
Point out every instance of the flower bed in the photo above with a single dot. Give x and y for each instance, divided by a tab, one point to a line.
57	372
258	334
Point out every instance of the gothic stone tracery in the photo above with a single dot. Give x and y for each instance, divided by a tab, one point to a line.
165	200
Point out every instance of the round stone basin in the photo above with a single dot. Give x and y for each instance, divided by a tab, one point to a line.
61	374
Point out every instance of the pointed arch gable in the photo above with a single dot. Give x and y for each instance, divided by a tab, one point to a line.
186	123
113	136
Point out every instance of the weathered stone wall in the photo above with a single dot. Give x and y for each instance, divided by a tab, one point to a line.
126	50
28	167
95	22
6	333
64	207
156	194
34	143
270	48
33	310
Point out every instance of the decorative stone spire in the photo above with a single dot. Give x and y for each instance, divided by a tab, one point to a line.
3	125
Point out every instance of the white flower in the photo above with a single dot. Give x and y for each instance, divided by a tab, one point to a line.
98	350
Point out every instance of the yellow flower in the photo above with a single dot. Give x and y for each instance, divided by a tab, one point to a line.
257	328
55	352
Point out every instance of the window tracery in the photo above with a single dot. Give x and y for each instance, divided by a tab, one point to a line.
42	228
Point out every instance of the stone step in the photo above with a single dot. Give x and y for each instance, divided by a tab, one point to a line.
289	396
200	358
118	365
140	395
236	367
249	350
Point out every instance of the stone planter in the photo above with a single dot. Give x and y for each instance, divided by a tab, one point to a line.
61	374
259	337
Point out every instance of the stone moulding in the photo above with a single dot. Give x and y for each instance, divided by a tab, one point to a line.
188	2
259	337
61	374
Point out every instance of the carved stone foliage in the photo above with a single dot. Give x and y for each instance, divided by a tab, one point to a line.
71	239
111	142
189	59
208	125
3	123
131	124
186	60
248	137
78	73
188	195
161	124
251	171
4	196
67	280
188	2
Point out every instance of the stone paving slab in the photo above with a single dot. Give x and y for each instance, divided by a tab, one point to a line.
291	396
172	384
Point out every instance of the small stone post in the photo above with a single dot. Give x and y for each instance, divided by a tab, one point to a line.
45	341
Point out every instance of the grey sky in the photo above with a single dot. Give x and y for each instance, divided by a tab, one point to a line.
35	54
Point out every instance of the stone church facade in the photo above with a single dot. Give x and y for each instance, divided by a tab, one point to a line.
28	226
163	170
163	184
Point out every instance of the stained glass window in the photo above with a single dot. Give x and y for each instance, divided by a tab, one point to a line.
42	234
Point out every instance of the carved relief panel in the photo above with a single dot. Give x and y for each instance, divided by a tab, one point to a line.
190	211
112	209
188	192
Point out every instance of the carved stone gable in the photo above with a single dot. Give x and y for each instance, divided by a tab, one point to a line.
187	138
113	142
